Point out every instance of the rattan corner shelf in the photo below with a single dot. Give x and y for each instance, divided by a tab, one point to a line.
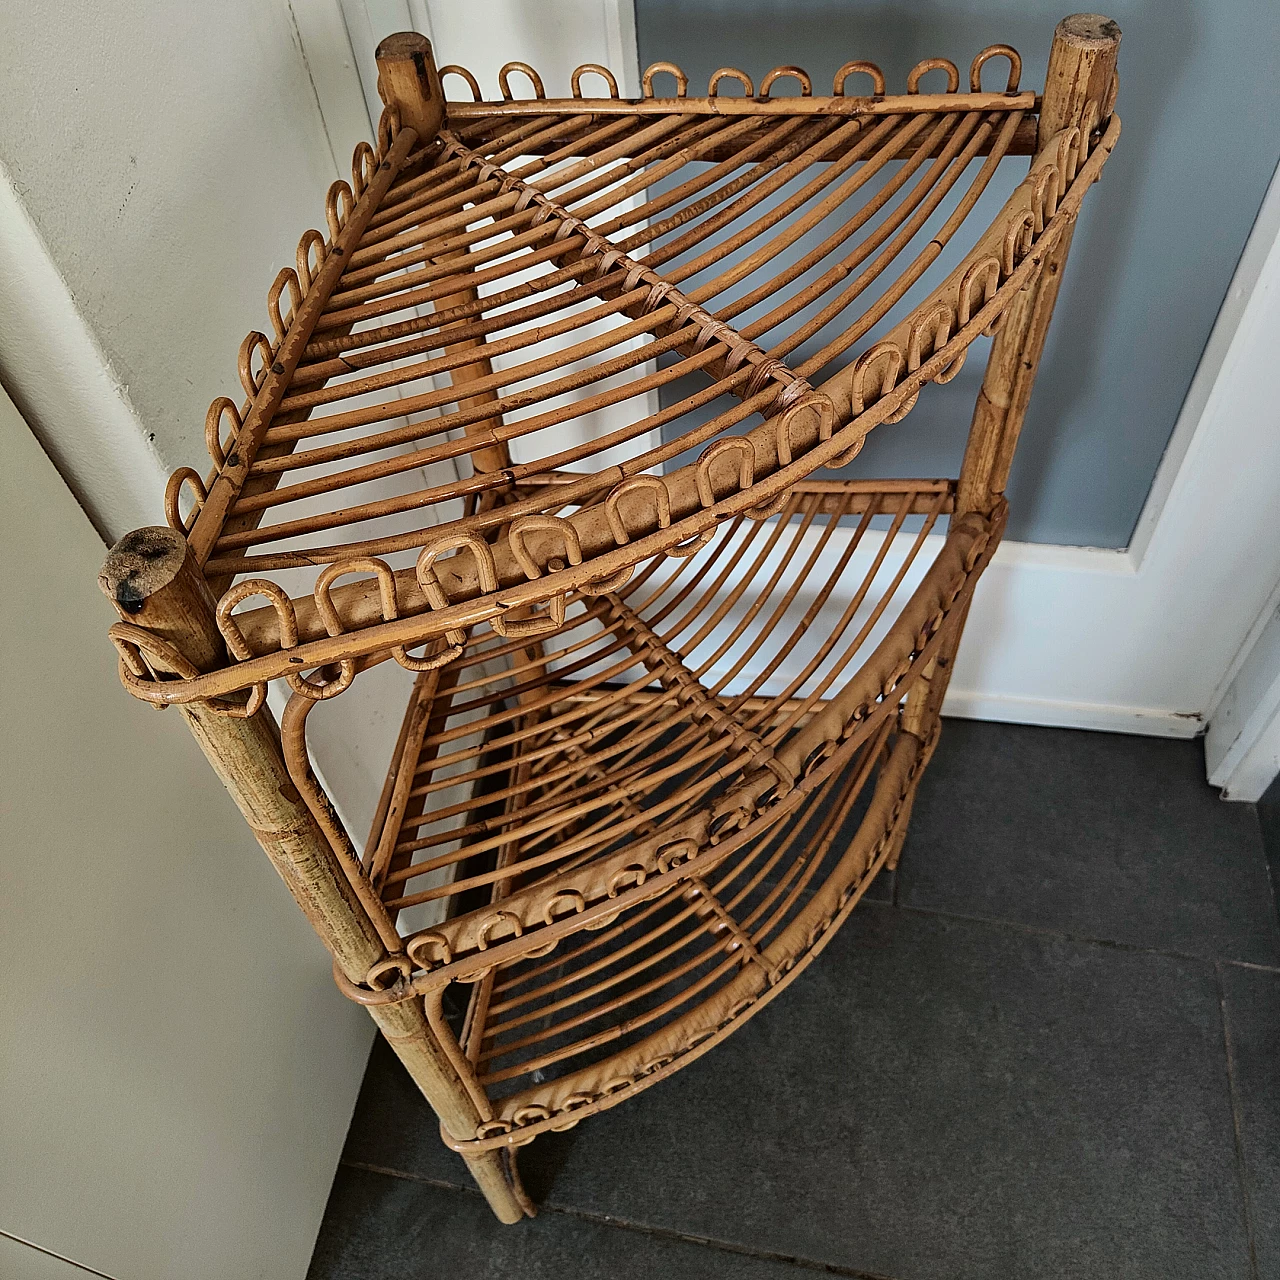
543	419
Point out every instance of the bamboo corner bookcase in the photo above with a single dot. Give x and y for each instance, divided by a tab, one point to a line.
542	419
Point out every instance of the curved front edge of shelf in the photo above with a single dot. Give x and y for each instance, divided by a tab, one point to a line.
562	1103
787	448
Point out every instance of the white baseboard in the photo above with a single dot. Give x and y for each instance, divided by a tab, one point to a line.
1033	650
1153	722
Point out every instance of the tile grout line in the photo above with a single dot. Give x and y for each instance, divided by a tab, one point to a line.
639	1228
1237	1125
1267	862
1019	926
1253	966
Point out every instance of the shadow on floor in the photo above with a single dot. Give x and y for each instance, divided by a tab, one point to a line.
1049	1049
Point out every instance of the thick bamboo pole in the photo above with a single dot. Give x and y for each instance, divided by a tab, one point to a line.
728	105
1082	68
410	95
152	579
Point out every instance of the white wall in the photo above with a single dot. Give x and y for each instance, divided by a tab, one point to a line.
169	156
161	1113
177	1069
22	1261
158	163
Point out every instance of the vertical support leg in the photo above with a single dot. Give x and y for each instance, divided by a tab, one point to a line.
152	579
409	82
491	457
1082	65
405	92
923	709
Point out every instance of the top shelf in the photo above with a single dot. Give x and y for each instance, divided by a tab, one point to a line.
557	337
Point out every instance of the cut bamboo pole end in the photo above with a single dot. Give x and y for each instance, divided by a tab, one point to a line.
409	82
1082	69
154	582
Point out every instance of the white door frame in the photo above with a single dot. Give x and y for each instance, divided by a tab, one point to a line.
1242	746
1150	638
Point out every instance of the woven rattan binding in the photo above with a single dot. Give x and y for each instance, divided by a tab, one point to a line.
672	688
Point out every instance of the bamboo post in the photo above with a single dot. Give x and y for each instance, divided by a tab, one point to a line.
1082	66
1082	69
410	95
152	579
409	82
494	457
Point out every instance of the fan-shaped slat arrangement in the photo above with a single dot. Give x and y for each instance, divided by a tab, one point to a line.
542	419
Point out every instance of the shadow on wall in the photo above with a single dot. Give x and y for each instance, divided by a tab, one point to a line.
1157	242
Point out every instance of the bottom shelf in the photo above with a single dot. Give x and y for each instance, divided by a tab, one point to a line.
558	1038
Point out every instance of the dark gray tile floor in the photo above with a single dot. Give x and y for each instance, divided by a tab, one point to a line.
1050	1048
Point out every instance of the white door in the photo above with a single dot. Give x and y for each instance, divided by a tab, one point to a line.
177	1069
